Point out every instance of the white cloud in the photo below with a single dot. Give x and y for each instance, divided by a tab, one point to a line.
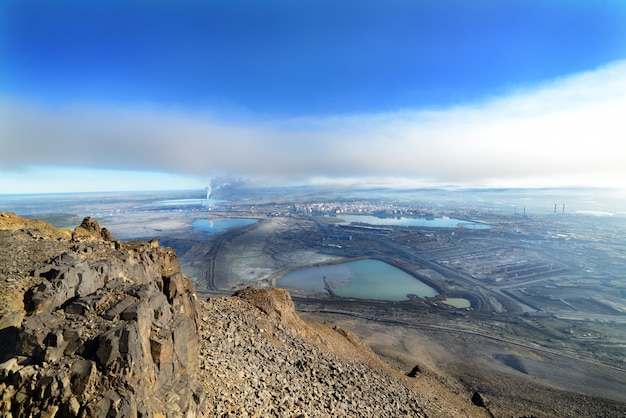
70	180
565	132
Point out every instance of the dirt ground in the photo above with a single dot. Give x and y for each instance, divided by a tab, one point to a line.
518	381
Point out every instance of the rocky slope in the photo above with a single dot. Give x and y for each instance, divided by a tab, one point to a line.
283	374
259	359
94	327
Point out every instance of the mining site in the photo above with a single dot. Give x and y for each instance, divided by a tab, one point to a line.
528	309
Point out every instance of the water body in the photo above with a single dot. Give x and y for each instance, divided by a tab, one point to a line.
425	222
178	203
363	279
458	302
215	226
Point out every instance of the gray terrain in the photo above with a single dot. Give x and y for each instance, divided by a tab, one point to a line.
544	335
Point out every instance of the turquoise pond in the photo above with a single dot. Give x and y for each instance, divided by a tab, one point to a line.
215	226
363	279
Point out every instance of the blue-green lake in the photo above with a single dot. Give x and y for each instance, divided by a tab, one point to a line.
215	226
363	279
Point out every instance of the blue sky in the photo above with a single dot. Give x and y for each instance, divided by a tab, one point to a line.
118	95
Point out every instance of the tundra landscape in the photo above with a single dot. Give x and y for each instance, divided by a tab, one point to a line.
525	315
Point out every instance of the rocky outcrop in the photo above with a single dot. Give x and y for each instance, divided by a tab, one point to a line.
104	328
90	229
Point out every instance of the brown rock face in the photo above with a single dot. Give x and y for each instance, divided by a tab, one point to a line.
90	229
106	329
275	303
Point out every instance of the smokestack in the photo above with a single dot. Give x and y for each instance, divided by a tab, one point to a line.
555	208
563	208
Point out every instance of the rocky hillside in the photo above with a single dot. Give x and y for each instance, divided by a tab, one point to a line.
266	369
93	327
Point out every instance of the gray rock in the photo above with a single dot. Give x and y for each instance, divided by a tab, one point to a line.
110	331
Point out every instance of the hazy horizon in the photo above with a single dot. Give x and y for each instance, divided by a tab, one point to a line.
509	201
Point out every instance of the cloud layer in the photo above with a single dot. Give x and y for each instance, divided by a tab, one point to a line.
566	132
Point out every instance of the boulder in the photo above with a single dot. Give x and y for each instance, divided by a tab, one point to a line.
91	229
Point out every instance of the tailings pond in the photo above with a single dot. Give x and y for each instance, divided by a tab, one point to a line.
421	222
215	226
363	279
